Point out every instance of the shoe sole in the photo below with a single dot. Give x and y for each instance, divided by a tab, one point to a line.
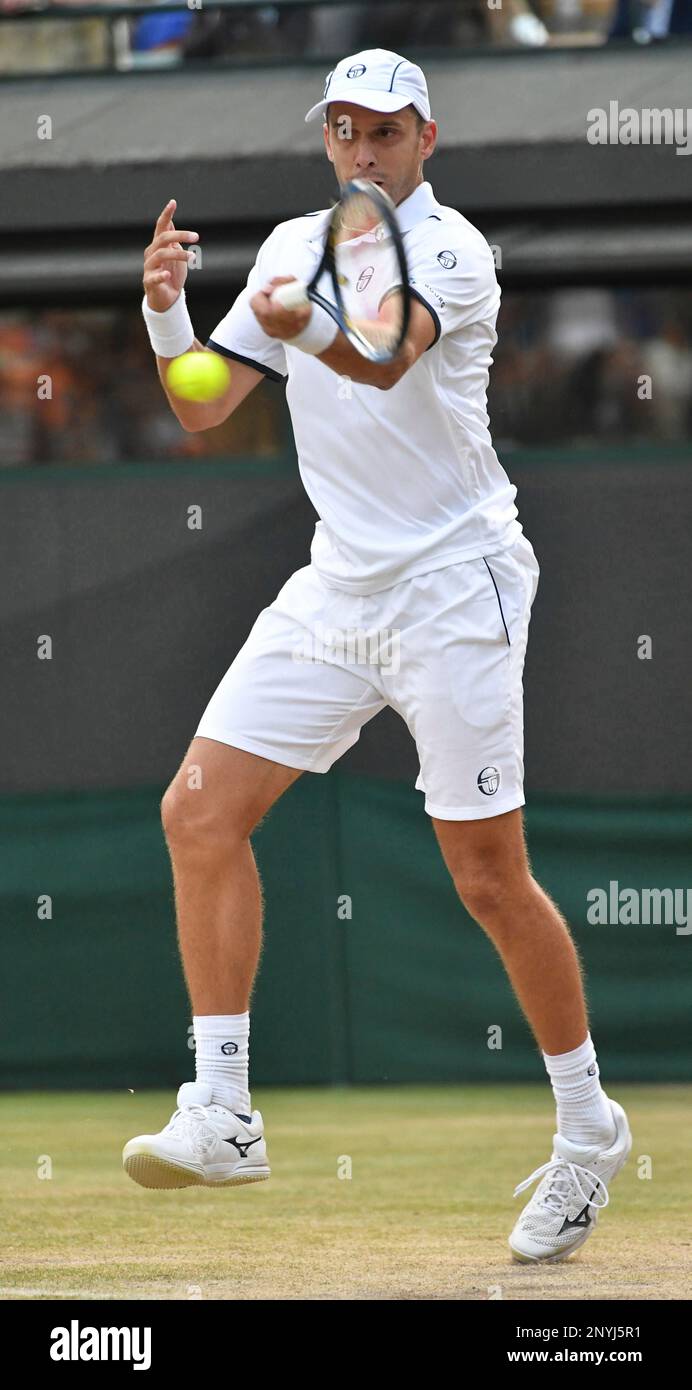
523	1259
149	1171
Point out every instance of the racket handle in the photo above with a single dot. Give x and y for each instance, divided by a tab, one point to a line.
291	296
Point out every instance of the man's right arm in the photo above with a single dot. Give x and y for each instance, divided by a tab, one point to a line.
195	416
166	262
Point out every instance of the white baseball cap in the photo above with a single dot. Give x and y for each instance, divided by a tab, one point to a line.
378	79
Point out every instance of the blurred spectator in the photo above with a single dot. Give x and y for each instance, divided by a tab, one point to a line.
581	321
51	45
258	31
516	21
667	359
651	19
600	395
158	39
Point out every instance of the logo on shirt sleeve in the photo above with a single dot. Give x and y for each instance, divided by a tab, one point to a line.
433	294
447	259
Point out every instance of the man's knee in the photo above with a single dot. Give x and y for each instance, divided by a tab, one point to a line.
491	893
192	815
488	863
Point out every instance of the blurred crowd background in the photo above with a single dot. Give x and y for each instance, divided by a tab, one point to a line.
571	368
223	32
568	360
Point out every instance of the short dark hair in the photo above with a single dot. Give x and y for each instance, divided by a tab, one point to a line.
420	120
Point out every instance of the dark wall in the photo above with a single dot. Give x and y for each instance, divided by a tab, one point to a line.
146	615
233	145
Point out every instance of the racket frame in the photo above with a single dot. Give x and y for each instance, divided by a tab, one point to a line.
337	309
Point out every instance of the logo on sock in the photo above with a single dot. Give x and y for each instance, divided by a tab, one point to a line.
229	1048
591	1071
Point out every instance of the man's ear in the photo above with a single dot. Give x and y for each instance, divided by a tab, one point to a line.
327	146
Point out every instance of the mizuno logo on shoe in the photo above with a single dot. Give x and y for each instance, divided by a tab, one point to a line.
242	1145
583	1219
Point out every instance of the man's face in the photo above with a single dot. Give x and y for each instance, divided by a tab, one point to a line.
387	149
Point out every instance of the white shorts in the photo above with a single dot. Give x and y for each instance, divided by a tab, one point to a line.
445	649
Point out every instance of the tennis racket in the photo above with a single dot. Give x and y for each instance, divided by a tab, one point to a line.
365	287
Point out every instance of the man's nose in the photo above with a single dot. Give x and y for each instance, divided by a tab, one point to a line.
364	156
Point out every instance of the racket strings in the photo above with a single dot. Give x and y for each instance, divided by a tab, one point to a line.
369	274
358	214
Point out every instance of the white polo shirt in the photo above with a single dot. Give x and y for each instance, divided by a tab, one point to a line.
406	480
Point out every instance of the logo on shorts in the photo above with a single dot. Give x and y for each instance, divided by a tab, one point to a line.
488	781
229	1048
447	259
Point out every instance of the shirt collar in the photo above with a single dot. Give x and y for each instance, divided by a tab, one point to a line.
419	205
416	207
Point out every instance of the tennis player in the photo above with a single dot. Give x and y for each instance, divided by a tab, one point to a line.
419	547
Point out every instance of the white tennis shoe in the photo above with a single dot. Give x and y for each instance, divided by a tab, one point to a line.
202	1145
564	1208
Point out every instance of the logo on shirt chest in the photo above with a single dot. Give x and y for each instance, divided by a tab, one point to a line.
364	278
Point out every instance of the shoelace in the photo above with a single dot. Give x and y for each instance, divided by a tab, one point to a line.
188	1120
559	1187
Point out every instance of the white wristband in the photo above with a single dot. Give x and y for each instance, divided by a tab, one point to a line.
319	332
171	332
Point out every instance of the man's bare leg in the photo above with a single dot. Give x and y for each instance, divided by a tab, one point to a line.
489	865
218	797
215	801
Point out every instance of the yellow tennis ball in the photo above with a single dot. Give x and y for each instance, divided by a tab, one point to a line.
198	376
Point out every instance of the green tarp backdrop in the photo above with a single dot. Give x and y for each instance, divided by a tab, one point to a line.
371	972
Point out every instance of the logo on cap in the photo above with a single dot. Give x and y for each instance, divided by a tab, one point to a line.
357	71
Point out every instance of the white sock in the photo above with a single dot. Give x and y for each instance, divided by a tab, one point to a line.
583	1113
222	1058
